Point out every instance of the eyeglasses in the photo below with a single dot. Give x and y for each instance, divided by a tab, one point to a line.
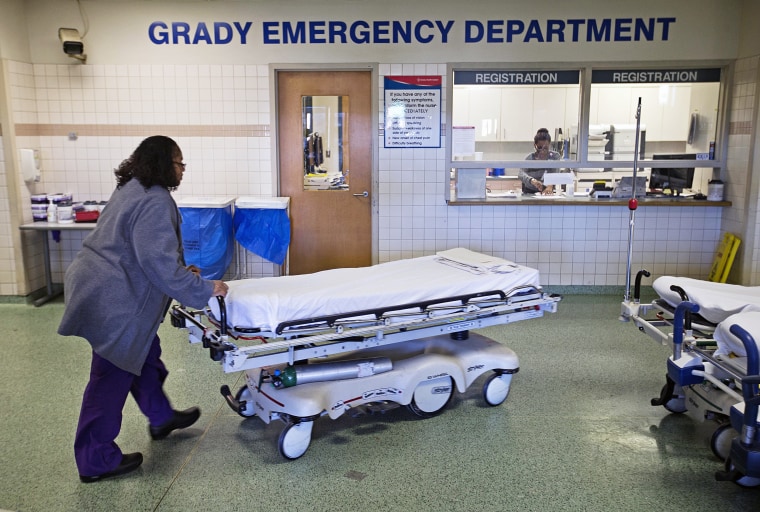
181	164
542	149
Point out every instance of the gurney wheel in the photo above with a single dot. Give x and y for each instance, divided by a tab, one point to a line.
496	388
743	480
294	439
432	396
676	404
720	442
244	394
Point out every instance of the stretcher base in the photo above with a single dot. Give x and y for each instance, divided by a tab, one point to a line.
425	374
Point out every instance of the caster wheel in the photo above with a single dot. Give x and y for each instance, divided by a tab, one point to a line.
720	441
432	396
295	439
244	395
677	404
496	388
743	480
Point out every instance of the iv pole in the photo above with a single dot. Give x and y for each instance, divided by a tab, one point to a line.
632	205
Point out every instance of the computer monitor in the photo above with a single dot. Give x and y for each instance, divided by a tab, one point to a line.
675	179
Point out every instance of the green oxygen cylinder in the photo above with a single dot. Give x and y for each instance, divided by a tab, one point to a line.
321	372
286	377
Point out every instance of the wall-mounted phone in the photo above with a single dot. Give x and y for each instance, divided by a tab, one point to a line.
30	165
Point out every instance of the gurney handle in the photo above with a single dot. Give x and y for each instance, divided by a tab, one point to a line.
637	285
678	325
222	315
682	294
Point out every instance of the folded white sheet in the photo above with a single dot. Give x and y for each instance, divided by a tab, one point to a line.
716	301
475	262
730	344
265	303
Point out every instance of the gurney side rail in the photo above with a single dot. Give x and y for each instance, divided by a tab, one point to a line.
349	339
485	309
378	313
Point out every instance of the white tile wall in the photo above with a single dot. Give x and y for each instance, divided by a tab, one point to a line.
7	259
740	187
569	245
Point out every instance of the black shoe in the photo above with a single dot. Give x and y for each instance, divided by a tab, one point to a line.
181	419
129	462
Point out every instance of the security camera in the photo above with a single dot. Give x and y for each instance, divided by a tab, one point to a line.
72	43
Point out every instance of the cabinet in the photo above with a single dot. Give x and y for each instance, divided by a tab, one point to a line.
664	108
478	107
517	114
510	114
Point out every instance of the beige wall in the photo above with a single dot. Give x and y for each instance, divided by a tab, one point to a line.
125	41
749	40
14	40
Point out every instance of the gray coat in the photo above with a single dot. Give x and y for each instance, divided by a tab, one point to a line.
119	285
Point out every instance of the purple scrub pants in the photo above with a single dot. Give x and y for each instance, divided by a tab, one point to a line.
95	447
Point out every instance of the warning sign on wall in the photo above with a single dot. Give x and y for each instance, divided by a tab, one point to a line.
412	111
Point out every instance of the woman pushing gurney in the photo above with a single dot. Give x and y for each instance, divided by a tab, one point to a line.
365	339
712	373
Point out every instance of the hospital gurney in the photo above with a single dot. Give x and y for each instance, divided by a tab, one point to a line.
367	339
712	373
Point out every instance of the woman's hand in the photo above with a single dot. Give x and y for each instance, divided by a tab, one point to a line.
220	289
537	184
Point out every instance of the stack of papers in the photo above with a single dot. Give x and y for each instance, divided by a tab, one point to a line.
595	141
505	194
539	195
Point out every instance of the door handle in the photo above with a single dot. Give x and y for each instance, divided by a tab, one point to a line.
363	194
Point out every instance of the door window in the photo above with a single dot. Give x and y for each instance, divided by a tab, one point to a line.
325	163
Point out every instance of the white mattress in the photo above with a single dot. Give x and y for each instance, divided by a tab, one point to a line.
266	302
728	343
716	301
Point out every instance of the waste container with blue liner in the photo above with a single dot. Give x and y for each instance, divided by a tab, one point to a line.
262	226
207	234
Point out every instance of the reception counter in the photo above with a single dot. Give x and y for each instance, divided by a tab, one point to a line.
528	200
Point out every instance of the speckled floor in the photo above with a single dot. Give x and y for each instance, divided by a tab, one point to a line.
577	433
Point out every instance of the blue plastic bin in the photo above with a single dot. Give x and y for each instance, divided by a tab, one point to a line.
207	234
262	226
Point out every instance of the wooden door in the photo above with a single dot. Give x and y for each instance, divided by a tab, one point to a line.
331	228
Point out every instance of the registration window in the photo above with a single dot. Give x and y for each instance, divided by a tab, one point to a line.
678	117
496	113
678	112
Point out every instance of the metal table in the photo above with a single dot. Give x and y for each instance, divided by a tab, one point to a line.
47	227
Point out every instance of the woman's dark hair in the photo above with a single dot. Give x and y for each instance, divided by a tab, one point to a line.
542	134
152	163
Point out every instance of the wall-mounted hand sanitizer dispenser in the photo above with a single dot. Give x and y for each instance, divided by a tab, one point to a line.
30	165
